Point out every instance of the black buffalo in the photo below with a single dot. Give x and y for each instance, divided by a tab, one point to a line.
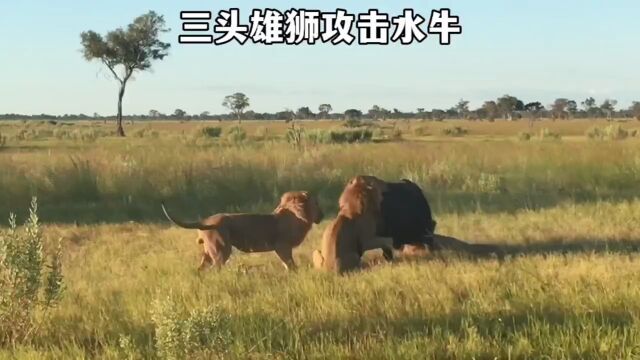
405	214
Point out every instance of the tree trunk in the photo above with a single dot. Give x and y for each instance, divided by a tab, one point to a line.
120	129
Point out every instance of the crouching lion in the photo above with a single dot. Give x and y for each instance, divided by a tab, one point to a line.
280	231
353	231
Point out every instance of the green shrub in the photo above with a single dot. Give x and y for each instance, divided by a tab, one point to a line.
3	141
546	134
211	131
27	289
295	135
181	335
524	136
351	136
338	136
353	123
454	131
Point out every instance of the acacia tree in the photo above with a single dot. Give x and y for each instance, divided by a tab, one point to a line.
236	103
352	114
572	107
124	52
559	108
609	107
490	109
507	104
304	113
589	105
534	109
462	108
179	113
325	110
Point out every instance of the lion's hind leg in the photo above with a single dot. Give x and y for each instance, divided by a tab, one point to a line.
216	250
318	259
286	256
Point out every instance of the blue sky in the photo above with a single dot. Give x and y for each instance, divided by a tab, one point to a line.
536	50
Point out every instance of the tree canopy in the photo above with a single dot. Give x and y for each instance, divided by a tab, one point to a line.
125	51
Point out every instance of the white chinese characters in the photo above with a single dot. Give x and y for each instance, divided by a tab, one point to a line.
309	27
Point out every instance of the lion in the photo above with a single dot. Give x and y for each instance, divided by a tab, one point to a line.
406	215
280	231
353	231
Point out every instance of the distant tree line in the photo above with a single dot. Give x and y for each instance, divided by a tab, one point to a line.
506	107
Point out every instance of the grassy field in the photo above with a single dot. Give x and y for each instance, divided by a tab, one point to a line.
565	208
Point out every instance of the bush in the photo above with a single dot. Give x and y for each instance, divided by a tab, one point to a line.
236	134
294	136
181	335
339	136
3	141
454	131
211	131
546	134
349	137
610	132
524	136
353	123
26	289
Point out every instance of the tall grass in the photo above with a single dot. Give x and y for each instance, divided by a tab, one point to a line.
119	181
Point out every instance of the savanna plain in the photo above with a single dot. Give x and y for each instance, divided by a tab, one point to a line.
560	197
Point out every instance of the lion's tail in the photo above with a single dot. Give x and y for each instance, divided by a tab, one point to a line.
186	225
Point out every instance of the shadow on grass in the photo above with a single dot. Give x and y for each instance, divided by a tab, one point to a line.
146	209
550	246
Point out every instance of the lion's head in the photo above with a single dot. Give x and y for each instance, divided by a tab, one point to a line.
362	194
302	204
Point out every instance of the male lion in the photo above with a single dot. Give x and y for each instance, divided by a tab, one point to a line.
280	231
406	215
353	230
